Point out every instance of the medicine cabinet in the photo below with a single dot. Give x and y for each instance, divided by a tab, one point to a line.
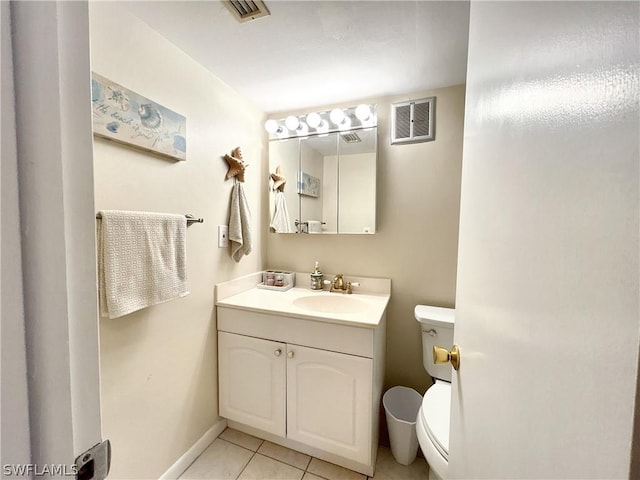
331	182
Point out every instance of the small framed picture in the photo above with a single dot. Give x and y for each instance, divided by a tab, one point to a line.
308	185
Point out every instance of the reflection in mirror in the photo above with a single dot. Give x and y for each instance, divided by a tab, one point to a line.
284	204
331	182
356	175
317	184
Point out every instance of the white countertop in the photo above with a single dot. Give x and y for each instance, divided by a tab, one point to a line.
283	303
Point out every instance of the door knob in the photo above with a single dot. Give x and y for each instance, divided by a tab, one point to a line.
290	354
442	355
277	353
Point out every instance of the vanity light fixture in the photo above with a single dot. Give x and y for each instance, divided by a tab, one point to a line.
292	123
363	112
272	127
340	119
302	129
323	128
314	120
322	122
345	124
337	116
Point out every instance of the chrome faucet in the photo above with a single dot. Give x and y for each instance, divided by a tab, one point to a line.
339	285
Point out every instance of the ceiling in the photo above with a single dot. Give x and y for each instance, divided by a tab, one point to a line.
316	53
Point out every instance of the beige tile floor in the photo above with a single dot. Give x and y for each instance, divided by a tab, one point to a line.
237	456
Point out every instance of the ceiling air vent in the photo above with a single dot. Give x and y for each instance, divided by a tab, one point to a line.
351	137
413	121
245	10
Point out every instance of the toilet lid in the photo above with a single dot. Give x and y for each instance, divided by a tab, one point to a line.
436	413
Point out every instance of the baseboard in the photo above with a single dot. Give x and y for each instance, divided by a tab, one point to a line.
181	465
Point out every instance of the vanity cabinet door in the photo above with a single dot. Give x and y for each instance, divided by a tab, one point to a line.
252	375
329	401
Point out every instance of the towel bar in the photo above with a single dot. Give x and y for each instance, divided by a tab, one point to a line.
190	218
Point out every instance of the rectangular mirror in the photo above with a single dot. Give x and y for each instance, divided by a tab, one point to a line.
335	183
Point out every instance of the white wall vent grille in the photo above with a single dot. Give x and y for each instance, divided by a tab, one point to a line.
245	10
413	121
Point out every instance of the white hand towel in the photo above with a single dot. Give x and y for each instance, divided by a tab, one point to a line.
314	226
239	223
141	260
280	222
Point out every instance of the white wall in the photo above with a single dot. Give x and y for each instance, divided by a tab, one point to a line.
416	241
159	379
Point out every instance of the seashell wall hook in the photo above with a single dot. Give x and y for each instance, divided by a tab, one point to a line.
236	165
278	179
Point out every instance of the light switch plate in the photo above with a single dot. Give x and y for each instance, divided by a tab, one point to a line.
223	236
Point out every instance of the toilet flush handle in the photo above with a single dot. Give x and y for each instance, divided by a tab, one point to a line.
442	355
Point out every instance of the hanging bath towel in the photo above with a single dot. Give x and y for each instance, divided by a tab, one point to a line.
239	223
280	222
141	260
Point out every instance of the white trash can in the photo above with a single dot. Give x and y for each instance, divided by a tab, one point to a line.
401	405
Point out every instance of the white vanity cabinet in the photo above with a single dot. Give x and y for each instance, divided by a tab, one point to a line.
304	384
329	401
252	376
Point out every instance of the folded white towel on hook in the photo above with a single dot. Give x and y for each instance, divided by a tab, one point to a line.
141	260
239	223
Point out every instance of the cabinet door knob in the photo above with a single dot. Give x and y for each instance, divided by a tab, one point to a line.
277	353
290	354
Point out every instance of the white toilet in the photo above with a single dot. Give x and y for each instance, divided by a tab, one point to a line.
432	423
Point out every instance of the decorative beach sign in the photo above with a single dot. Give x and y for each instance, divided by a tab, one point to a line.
124	116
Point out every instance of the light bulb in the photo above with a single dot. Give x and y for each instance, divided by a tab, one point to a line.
292	123
323	127
363	112
337	116
272	126
283	133
302	129
346	123
314	120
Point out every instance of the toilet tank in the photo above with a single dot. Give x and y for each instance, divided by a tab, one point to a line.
436	324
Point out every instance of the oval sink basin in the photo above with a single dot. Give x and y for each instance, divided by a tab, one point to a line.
330	304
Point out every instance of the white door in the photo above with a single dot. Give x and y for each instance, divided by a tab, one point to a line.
547	293
50	57
14	399
329	401
252	375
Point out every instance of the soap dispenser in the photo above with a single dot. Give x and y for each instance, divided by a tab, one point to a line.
316	278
